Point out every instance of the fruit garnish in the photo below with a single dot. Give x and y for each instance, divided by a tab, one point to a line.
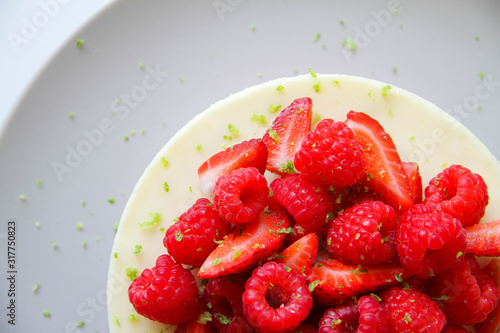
384	173
484	239
342	318
300	255
251	153
247	245
492	322
415	181
285	135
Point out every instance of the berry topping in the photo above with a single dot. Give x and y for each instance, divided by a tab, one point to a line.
308	202
224	294
331	155
167	293
454	329
276	298
364	233
460	193
241	195
384	172
300	255
466	294
492	322
411	311
340	319
286	134
191	239
415	181
484	239
247	245
251	153
373	317
429	241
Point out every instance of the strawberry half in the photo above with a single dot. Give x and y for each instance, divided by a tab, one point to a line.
251	153
301	254
492	323
335	281
484	239
286	133
415	181
384	171
247	245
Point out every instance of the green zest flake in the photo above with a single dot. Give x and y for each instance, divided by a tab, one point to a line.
80	324
459	254
79	43
79	226
133	317
481	75
398	277
342	23
115	255
22	197
442	298
37	225
312	72
39	183
236	254
253	27
274	108
223	319
115	226
335	322
179	236
317	36
233	129
375	296
227	137
131	273
141	64
407	318
53	244
155	219
280	88
84	244
259	118
181	80
111	200
204	317
216	262
36	287
166	187
137	250
198	147
116	320
385	89
125	138
349	44
288	230
274	135
313	285
317	87
287	167
476	37
286	268
46	313
394	69
83	203
165	162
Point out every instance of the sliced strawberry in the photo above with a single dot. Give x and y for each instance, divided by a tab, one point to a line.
484	239
199	324
415	180
301	254
335	281
247	245
251	153
286	133
384	172
492	323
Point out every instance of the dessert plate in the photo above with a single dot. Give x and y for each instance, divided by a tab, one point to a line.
422	132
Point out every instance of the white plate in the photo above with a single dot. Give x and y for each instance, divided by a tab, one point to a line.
207	53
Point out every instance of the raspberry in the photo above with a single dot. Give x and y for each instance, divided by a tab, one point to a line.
167	293
308	202
453	329
191	239
466	294
373	317
276	298
331	155
429	241
412	311
364	233
342	318
241	195
460	193
224	294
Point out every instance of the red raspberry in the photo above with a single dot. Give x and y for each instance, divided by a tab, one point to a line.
429	241
224	294
241	195
308	202
460	193
191	239
453	329
412	311
373	317
364	233
167	293
342	318
276	298
466	294
331	155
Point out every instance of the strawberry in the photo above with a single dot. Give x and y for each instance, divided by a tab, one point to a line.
286	133
201	323
484	239
335	281
384	172
247	245
492	323
251	153
415	181
301	254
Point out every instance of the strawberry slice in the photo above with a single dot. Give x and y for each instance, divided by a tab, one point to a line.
335	281
492	323
286	133
484	239
251	153
301	254
247	245
384	171
415	181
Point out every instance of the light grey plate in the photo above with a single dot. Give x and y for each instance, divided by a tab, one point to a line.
148	67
